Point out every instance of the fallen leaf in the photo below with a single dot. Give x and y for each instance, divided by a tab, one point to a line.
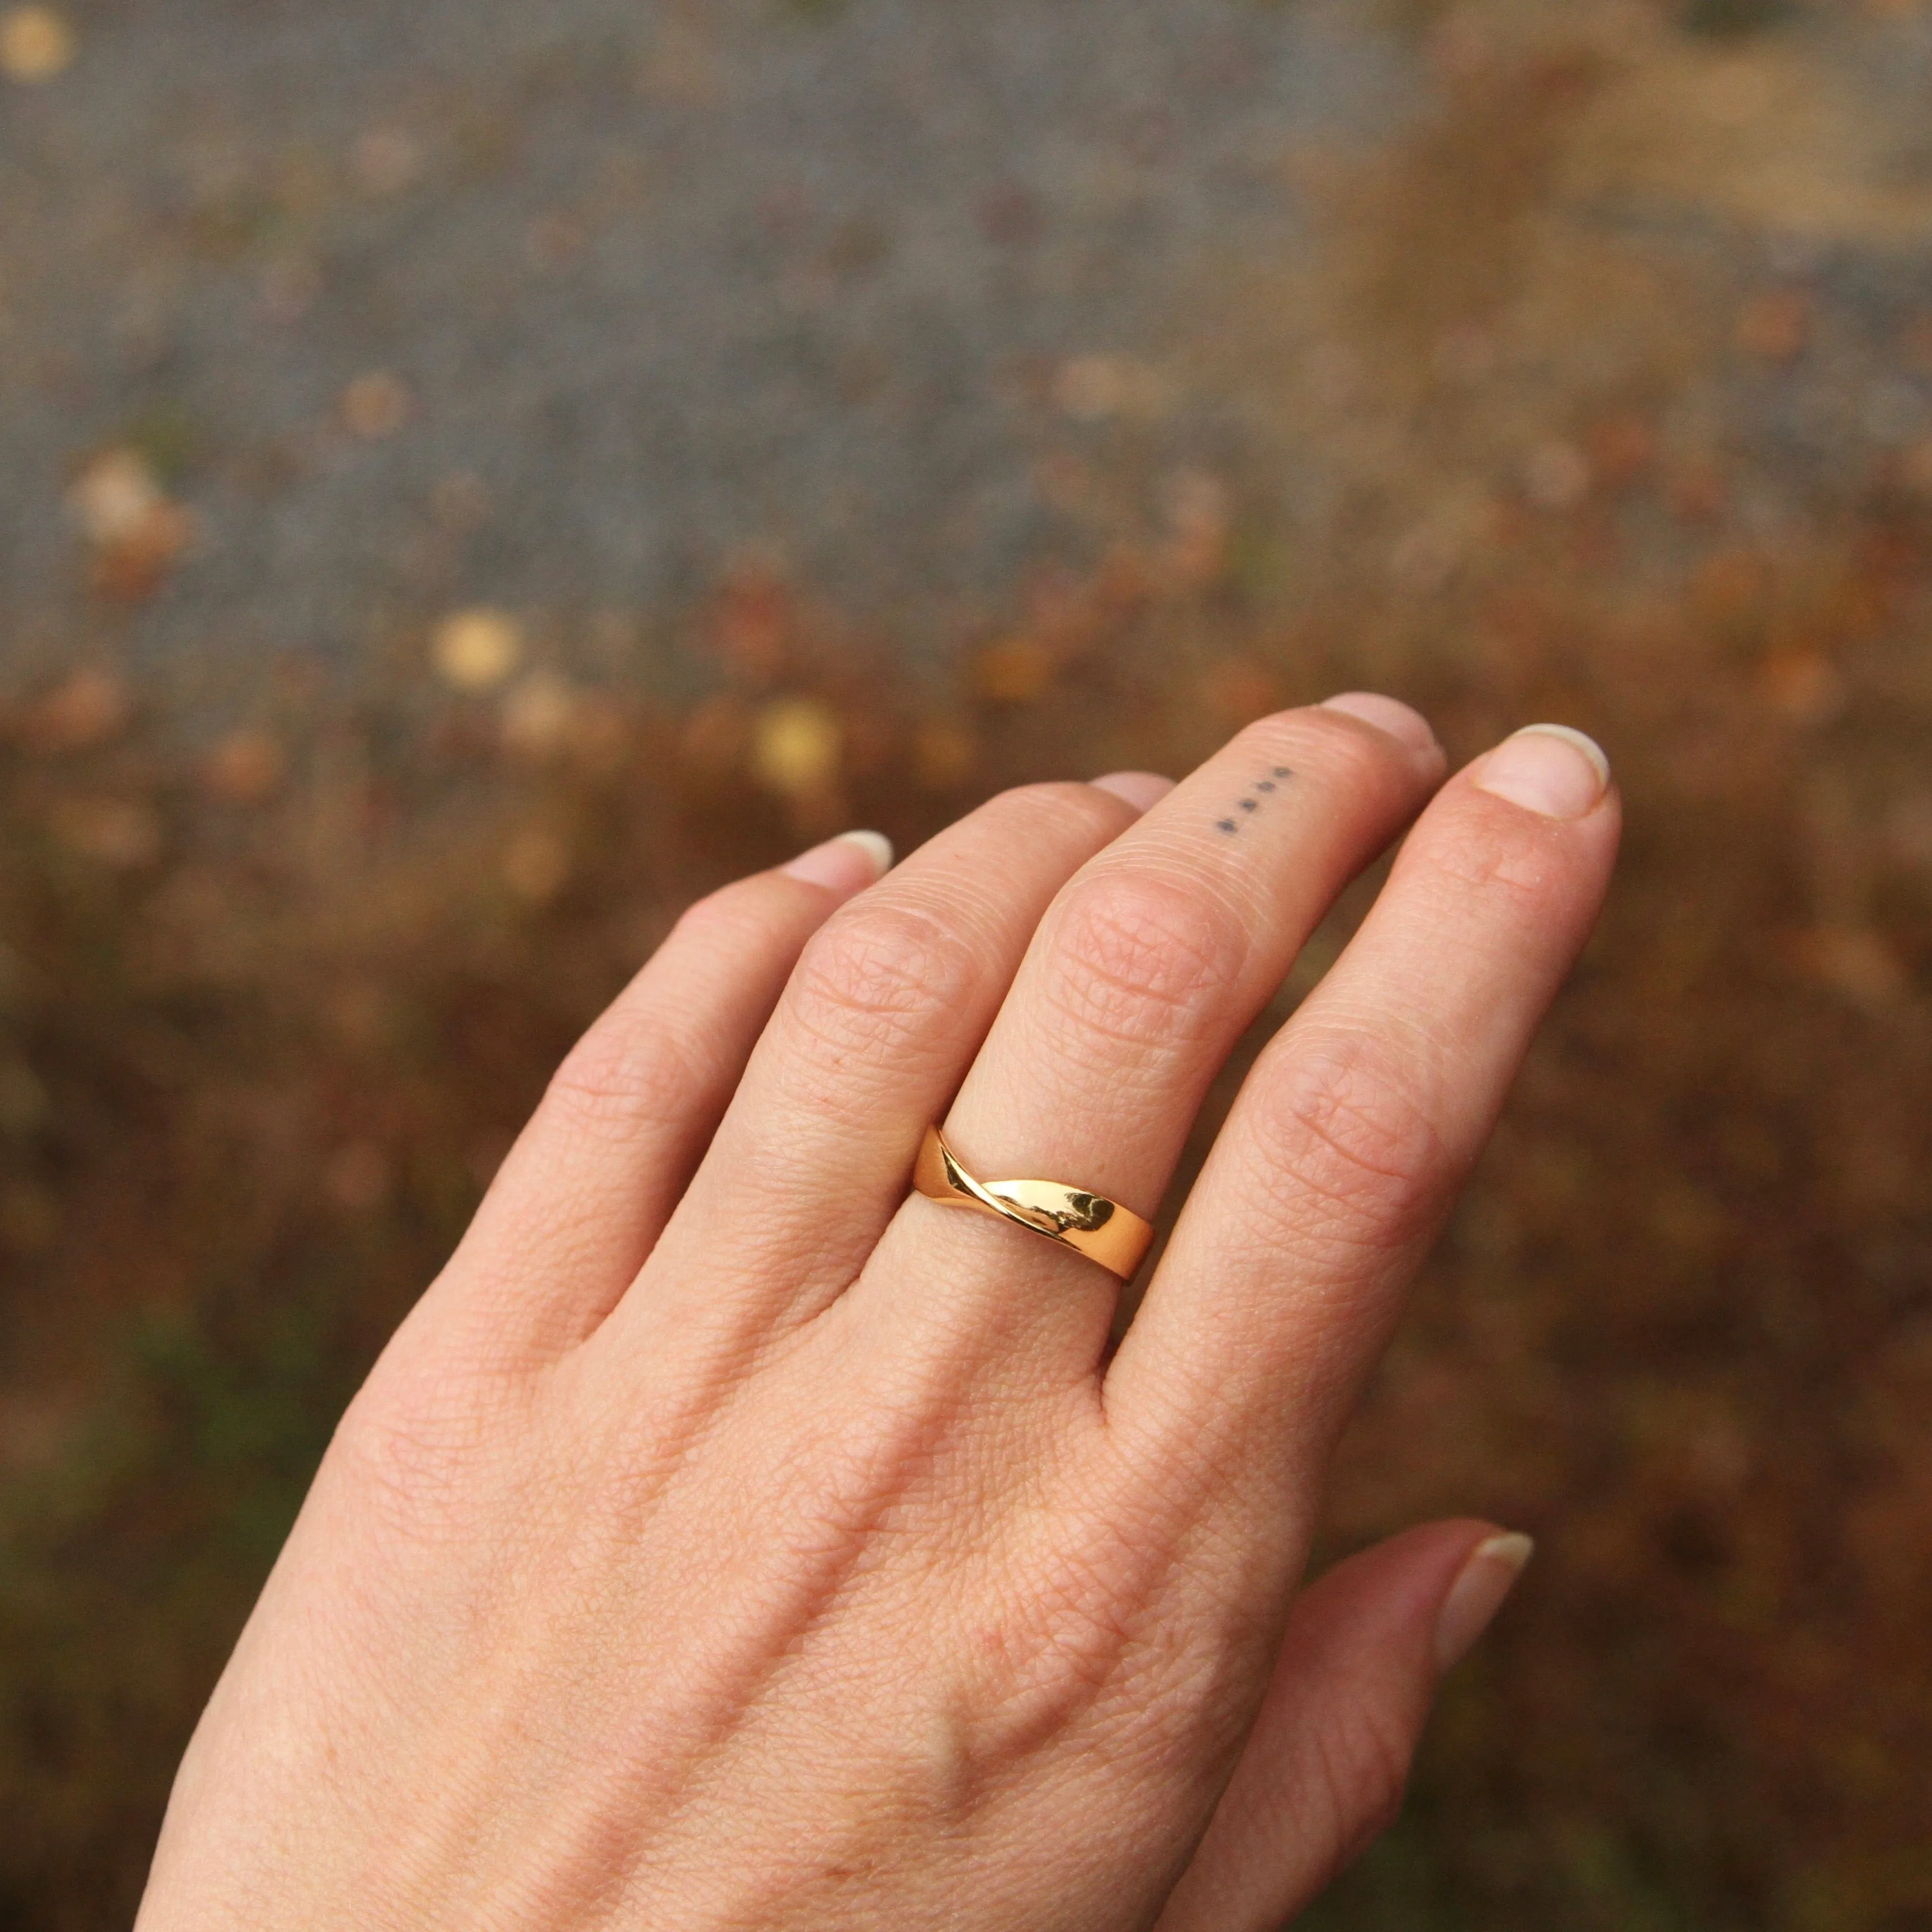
1622	449
1730	586
540	715
797	743
137	530
474	650
88	708
1697	492
36	45
943	753
124	835
1860	964
1803	685
1240	690
376	406
247	768
754	619
386	160
1014	672
115	496
1097	388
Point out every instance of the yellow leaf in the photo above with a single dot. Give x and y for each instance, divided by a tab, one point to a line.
36	45
474	650
795	746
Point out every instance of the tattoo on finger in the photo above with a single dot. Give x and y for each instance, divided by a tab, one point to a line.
1248	806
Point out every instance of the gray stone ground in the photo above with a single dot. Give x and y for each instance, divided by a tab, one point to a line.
659	281
564	308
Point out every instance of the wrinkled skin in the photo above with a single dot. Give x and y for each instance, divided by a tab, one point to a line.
729	1540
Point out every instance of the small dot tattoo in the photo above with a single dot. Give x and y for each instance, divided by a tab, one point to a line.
1251	805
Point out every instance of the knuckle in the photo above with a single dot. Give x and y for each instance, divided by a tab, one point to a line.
628	1076
875	979
1134	959
1054	799
1342	751
410	1447
1503	875
731	916
1062	1634
1086	1593
1347	1141
637	1067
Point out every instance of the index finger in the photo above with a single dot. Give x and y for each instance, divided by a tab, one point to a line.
1352	1133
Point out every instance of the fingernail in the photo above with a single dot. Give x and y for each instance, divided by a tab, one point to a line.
1386	714
1477	1594
847	864
1143	790
1547	769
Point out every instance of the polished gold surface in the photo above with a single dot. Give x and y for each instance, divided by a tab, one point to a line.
1102	1230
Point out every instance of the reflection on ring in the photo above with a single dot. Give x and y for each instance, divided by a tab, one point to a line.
1089	1223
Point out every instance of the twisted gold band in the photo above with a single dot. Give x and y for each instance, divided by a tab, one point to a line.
1102	1230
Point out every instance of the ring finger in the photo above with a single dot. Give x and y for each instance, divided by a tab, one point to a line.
889	1001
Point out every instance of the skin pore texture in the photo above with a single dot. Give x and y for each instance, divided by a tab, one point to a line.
731	1538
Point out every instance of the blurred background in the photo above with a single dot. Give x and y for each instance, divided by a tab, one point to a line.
471	478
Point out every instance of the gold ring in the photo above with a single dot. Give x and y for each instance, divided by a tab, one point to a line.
1102	1230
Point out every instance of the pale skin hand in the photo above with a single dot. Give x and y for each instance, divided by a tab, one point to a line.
728	1541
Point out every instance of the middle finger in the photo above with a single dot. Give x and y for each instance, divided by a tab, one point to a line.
1145	971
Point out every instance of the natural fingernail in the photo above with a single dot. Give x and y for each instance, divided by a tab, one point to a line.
1143	790
1477	1594
847	864
1386	714
1548	768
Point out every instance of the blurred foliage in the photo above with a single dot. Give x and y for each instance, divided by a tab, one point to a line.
264	1061
273	1003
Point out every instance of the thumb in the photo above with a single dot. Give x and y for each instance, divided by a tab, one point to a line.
1327	1763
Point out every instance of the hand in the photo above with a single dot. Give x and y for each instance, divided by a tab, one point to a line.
730	1539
